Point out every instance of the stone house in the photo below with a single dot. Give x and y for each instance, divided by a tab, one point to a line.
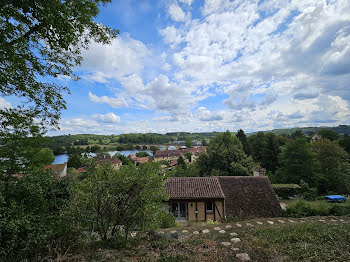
219	198
102	160
167	155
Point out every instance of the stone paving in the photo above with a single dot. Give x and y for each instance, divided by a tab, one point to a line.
236	239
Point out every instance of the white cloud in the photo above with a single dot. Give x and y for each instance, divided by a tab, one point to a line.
4	103
107	118
188	2
176	13
205	115
113	102
122	57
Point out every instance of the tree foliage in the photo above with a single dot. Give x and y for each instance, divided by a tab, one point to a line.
245	142
265	149
335	166
30	220
41	39
329	134
130	197
298	162
225	157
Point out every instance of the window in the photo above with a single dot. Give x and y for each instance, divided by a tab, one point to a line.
209	207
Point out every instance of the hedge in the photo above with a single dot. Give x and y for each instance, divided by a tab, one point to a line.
286	191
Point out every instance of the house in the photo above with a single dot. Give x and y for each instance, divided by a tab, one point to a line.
196	151
60	169
219	198
102	160
167	155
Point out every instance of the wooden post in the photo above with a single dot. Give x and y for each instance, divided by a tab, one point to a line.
214	206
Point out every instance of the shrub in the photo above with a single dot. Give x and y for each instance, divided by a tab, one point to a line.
303	208
340	210
211	222
286	191
166	220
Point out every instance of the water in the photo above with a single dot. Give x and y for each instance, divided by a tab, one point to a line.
60	159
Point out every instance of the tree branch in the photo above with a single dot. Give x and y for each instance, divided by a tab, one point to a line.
26	35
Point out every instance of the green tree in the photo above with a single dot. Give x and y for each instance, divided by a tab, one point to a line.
204	142
40	39
181	162
75	160
188	142
130	197
265	149
154	149
245	142
344	142
335	166
329	134
142	154
225	157
298	162
188	156
30	219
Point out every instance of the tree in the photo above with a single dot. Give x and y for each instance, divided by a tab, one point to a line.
225	157
188	142
181	162
154	149
335	166
298	162
345	143
245	143
265	149
21	146
75	160
109	200
204	142
40	39
142	154
329	134
188	156
30	217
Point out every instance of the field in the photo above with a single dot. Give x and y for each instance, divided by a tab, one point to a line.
311	239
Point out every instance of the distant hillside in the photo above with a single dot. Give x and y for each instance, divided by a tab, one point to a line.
341	129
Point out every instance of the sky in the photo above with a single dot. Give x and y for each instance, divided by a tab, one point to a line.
213	65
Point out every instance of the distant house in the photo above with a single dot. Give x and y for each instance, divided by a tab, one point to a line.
140	160
218	198
167	155
102	160
196	151
60	169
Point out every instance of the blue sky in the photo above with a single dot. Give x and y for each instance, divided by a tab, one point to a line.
213	65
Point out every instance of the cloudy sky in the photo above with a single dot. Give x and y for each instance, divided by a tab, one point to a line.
213	65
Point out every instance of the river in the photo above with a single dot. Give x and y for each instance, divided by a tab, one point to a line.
60	159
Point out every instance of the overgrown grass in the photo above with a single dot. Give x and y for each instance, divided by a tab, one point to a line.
305	242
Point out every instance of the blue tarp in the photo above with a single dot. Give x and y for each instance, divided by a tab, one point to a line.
335	198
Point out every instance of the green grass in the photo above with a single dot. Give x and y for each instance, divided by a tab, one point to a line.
306	242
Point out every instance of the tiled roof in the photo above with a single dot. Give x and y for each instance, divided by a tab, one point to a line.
167	153
193	187
56	168
142	159
103	160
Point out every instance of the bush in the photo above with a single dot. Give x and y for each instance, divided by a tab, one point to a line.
303	208
211	222
286	191
340	210
308	193
166	220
